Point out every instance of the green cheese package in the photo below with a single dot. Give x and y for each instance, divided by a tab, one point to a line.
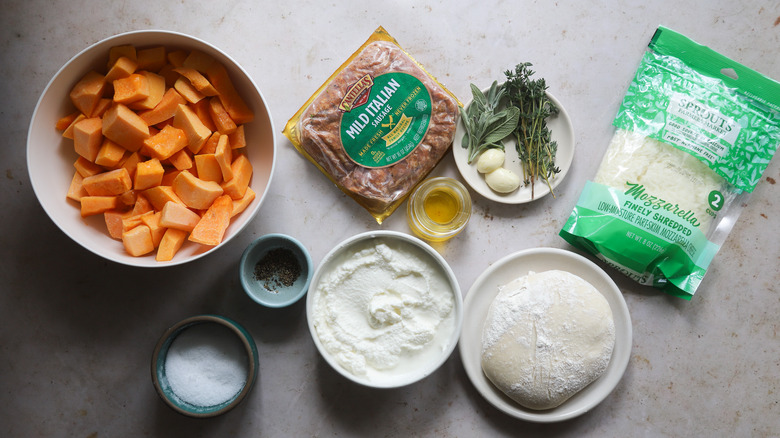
693	135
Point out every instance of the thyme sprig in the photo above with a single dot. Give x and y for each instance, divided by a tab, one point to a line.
486	126
534	146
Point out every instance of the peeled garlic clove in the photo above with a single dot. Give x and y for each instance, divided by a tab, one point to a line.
490	160
502	180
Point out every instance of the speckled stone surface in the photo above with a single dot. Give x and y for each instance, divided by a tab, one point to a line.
78	331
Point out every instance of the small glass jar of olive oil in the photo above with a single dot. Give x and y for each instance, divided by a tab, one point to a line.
438	209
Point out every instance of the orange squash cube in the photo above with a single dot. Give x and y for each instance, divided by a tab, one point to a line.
170	244
242	174
161	195
152	58
156	92
175	215
208	168
91	205
240	205
122	68
211	228
165	109
148	174
196	132
111	183
138	241
131	89
195	192
166	142
116	52
76	190
125	127
88	137
110	154
87	92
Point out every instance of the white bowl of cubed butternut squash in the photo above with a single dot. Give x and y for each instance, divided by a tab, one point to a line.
151	148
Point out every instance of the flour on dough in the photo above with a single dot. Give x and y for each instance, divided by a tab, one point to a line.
547	336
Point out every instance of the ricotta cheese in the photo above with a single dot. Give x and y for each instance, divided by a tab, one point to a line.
384	309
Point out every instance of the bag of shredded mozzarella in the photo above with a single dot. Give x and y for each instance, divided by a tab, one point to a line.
693	135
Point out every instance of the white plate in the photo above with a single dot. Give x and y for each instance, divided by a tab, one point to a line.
481	295
562	132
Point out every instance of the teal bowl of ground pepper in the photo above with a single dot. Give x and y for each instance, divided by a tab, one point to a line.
275	270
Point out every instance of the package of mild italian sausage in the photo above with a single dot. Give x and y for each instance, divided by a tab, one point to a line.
377	126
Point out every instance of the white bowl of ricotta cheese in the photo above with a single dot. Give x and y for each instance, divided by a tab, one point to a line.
384	309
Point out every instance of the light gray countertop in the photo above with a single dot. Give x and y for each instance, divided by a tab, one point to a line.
78	331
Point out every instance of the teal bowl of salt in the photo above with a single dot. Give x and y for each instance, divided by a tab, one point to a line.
204	365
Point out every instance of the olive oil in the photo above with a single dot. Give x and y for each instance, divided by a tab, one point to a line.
439	209
441	205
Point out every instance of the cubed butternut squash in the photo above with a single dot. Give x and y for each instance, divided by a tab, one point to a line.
91	205
142	204
125	127
196	132
221	118
161	195
242	174
208	168
194	192
153	222
114	220
148	174
152	58
122	68
198	60
165	109
134	220
211	227
110	154
127	200
111	183
175	215
169	176
187	91
170	244
102	106
181	160
87	168
166	142
76	190
131	89
224	158
156	92
237	138
130	162
202	110
240	205
68	132
238	109
63	122
116	52
138	241
88	137
87	92
197	80
177	57
210	145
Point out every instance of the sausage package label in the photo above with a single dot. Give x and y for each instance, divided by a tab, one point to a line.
377	126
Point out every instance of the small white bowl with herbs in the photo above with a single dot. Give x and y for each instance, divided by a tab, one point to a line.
514	142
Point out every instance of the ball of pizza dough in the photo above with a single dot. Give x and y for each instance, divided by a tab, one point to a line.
547	336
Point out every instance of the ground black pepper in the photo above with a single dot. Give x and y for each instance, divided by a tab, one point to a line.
278	268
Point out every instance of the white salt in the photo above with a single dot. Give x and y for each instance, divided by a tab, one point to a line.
206	364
